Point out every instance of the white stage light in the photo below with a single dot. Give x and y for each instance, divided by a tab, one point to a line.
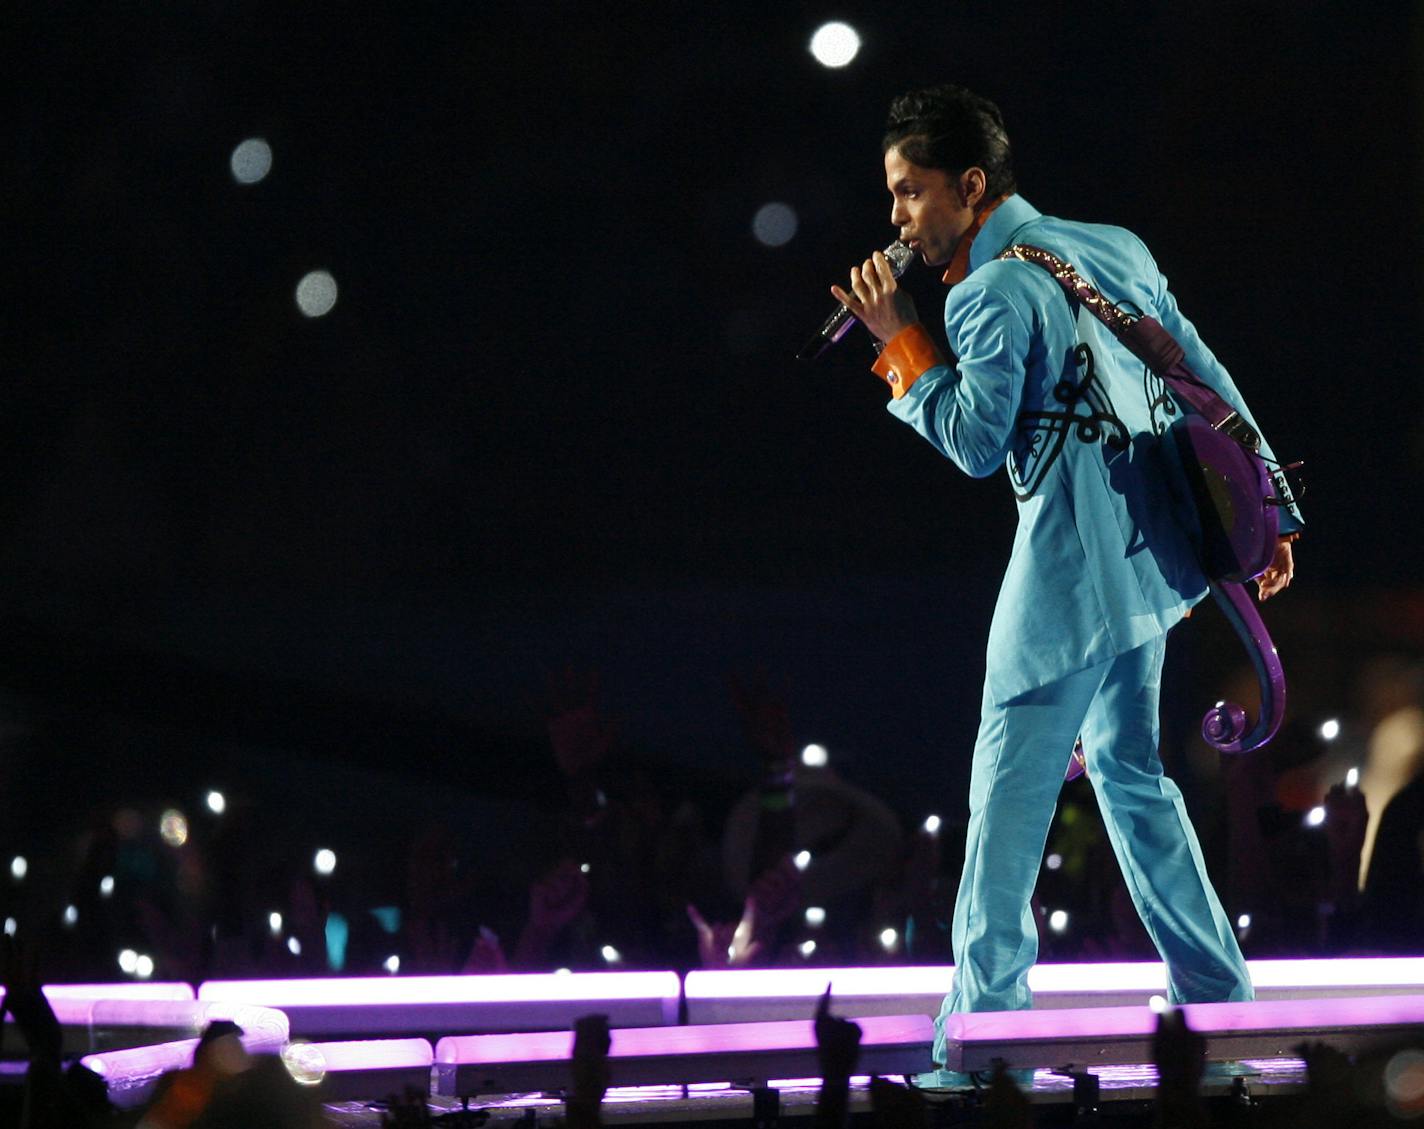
1158	1004
807	949
217	802
106	886
316	293
835	44
128	961
324	861
815	916
610	954
19	867
889	938
932	824
1244	921
392	964
173	827
1315	816
294	946
71	916
1352	778
774	225
251	161
143	967
1330	729
274	923
1058	920
1053	861
801	860
11	925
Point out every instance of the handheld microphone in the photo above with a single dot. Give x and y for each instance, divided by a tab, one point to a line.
842	319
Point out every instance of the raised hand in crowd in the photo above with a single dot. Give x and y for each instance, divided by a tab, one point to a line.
1345	821
776	894
837	1051
1005	1105
1180	1056
555	901
434	887
726	944
25	1001
486	954
589	1071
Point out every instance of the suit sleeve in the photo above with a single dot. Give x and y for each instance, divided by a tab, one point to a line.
968	410
1204	363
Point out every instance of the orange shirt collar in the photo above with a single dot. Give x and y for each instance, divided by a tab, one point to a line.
958	268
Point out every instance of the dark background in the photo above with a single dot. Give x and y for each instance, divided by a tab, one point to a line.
554	415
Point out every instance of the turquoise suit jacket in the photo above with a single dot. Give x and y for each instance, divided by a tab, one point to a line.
1102	560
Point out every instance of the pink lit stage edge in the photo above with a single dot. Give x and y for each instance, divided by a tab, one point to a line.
666	1072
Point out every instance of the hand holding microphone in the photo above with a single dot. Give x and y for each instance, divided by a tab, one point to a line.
874	299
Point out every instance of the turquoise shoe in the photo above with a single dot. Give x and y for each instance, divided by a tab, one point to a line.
961	1081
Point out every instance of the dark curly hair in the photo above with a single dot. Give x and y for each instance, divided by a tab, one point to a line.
948	127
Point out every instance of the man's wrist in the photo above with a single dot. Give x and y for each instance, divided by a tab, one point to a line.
906	357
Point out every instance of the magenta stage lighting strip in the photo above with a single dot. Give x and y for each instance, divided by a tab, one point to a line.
90	1025
1117	1035
745	1053
404	1005
132	1074
361	1071
763	994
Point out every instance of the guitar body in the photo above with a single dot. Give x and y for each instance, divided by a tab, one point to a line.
1232	491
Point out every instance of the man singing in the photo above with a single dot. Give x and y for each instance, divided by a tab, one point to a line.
1102	566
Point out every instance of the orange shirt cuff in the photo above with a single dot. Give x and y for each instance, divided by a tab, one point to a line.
907	356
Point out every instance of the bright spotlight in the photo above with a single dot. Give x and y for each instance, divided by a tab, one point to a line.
1244	921
71	916
1315	816
128	961
251	161
932	824
274	923
610	954
294	946
1058	920
1352	778
1053	861
801	860
815	916
173	827
143	967
774	225
106	886
19	867
217	802
392	964
316	293
835	44
815	756
807	949
584	868
1330	729
324	861
889	938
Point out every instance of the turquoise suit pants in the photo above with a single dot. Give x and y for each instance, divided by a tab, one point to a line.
1019	758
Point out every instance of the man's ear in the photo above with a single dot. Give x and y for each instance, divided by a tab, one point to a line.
972	186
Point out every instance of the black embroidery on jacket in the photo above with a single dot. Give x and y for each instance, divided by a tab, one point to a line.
1043	433
1159	400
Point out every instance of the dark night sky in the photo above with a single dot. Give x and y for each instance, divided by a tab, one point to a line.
554	412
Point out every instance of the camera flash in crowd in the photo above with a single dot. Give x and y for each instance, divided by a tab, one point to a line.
274	923
1158	1004
835	44
1244	921
1053	861
106	886
1330	729
217	802
1315	816
1352	778
889	938
294	946
807	949
128	961
932	824
1058	920
324	862
584	868
19	867
815	756
815	916
802	860
143	966
173	827
71	916
392	964
610	954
